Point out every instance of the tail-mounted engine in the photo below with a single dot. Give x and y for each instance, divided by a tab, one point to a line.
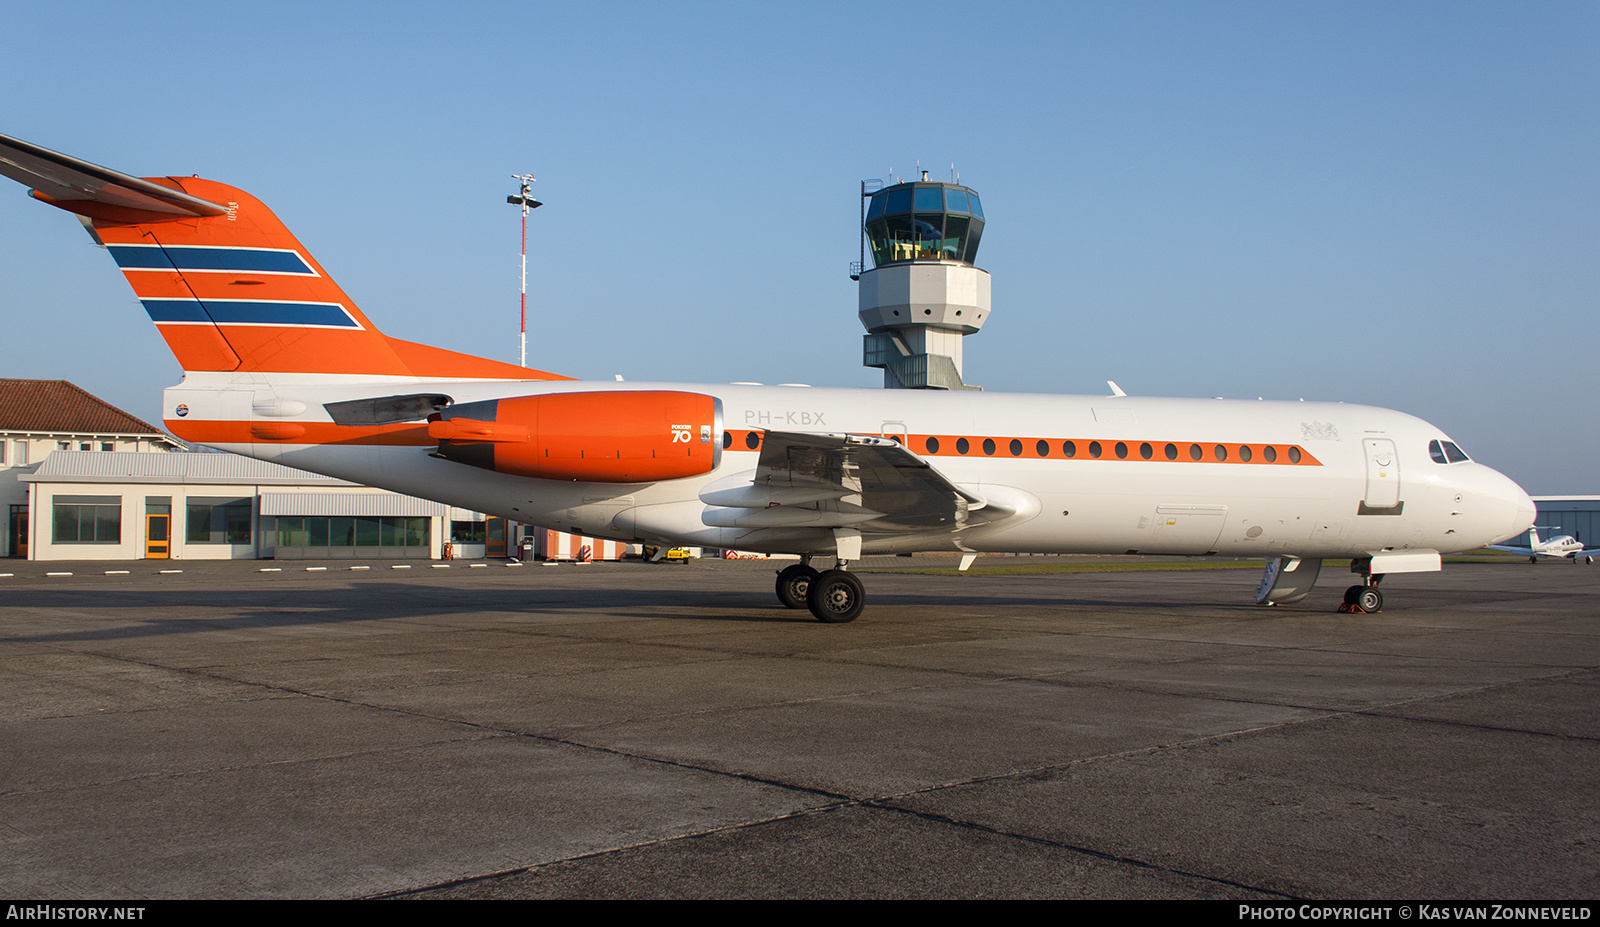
637	436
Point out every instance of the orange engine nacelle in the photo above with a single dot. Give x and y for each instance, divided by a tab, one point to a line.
633	436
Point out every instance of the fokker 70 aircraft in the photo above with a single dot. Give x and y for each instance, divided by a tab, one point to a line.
279	364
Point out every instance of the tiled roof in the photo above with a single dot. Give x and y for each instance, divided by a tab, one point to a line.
58	407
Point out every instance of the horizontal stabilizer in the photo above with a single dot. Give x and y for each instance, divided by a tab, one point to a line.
79	186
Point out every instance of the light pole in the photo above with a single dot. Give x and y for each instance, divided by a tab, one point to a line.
527	203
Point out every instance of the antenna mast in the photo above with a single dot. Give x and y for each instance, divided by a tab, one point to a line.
527	203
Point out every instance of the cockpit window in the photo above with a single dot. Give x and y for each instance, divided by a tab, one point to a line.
1456	454
1446	452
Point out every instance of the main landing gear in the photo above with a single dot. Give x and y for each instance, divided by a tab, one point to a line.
833	596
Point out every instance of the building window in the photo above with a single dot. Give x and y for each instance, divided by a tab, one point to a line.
322	531
469	532
218	521
108	446
86	519
63	445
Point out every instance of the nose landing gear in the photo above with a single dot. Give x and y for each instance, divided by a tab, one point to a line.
1365	598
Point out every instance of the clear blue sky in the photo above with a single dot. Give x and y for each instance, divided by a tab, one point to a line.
1387	203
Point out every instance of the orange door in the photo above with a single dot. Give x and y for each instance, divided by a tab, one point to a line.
157	533
19	531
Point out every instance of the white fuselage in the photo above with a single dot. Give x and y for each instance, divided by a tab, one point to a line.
1346	505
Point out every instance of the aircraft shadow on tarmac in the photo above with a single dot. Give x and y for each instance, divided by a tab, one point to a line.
263	609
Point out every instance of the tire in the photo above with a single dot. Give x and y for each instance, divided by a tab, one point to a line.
1370	599
836	597
1351	594
793	581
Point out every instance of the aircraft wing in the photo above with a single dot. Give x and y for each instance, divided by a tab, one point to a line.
842	481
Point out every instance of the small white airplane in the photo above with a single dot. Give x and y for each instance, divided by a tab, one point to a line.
1560	547
281	365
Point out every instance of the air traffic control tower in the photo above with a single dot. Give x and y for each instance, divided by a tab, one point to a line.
923	294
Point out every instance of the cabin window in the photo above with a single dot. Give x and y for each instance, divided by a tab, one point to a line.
1069	448
1220	452
962	446
1269	453
1094	449
1194	452
752	439
988	446
1294	455
1146	451
932	445
1043	448
1244	453
1172	452
1016	448
1122	451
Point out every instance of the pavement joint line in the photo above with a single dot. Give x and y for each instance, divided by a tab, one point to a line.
597	854
1086	851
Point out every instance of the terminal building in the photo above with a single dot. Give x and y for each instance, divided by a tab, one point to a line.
83	480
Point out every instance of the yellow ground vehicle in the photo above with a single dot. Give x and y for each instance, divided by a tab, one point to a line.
655	554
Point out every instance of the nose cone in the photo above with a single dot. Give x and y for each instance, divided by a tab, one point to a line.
1518	503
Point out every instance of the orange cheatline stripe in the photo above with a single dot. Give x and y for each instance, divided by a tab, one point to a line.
415	434
405	434
947	447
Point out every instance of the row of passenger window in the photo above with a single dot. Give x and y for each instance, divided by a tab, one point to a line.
1244	453
1121	449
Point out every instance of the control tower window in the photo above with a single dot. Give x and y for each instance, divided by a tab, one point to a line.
924	222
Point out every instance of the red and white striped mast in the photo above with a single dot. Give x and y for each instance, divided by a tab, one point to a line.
527	203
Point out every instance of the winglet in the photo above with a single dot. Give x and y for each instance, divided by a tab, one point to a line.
94	191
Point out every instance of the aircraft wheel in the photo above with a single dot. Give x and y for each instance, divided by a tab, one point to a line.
793	582
1351	594
1369	599
836	597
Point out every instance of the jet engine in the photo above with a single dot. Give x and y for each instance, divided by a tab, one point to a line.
611	436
